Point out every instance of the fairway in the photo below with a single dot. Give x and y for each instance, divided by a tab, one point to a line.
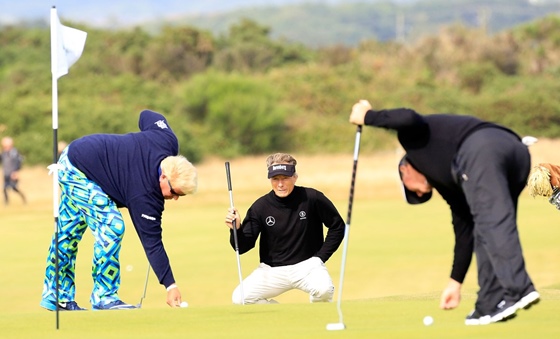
398	262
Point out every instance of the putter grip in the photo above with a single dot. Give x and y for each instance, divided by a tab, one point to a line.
354	170
228	175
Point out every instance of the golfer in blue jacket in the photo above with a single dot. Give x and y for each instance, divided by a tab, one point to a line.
98	174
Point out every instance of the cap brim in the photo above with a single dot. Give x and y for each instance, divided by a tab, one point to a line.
285	173
413	198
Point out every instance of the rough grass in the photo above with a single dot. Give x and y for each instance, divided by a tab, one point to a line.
398	262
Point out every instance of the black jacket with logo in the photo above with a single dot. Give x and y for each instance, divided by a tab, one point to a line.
291	228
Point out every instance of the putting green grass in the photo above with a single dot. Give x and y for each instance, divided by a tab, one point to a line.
398	262
396	317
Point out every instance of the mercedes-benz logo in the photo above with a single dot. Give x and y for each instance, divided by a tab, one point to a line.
270	221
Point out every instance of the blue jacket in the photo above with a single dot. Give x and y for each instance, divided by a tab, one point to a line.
126	167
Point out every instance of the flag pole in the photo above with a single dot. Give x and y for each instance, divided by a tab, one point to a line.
54	67
67	45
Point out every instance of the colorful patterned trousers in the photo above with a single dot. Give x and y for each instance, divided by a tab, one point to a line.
84	204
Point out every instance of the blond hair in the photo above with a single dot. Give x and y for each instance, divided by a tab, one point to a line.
539	181
181	173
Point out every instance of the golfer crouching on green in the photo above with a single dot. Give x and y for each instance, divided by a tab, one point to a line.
292	247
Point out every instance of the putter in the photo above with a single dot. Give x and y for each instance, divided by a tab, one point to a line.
340	324
145	287
236	244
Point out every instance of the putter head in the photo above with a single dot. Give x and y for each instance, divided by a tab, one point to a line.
555	198
335	326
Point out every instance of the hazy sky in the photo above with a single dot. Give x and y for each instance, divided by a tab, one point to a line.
123	12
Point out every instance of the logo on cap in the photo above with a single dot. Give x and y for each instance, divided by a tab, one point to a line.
281	169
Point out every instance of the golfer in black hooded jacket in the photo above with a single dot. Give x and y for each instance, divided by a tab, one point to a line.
480	169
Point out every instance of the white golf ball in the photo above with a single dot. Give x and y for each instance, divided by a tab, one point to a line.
428	320
184	304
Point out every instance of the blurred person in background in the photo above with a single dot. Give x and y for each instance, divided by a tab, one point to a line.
11	161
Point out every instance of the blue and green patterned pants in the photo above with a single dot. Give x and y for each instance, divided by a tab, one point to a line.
84	204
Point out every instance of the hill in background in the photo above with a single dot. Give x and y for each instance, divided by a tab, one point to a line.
314	23
318	24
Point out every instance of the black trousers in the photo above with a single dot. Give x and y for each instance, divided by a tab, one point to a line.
494	166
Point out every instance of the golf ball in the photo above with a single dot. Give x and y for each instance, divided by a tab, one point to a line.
428	320
184	304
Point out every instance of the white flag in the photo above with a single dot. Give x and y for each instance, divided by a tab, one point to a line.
67	45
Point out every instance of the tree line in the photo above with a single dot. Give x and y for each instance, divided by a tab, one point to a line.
245	92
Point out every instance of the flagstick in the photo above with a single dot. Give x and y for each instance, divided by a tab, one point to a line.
54	61
67	45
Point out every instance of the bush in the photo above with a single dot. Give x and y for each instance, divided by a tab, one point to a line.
235	115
